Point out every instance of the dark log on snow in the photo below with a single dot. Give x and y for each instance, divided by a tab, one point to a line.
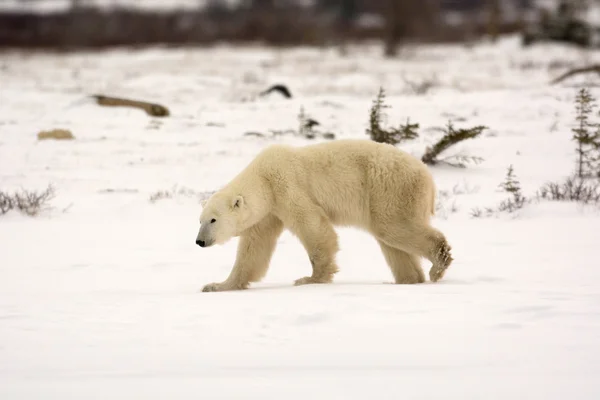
153	109
282	89
577	71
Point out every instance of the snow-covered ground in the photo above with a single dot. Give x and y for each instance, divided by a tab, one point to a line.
100	296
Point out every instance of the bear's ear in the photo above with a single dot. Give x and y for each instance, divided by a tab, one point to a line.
203	202
238	202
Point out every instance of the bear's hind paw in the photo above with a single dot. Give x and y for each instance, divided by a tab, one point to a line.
212	287
444	259
435	273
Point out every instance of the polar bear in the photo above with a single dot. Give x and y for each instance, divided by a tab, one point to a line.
308	190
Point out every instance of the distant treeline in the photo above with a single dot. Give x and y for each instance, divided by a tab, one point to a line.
92	28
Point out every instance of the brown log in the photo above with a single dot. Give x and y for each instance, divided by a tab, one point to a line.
153	109
576	71
57	134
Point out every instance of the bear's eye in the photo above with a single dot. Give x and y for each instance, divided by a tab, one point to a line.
212	221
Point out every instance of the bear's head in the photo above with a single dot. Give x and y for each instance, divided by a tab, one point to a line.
222	218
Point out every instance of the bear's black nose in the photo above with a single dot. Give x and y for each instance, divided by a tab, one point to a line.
200	243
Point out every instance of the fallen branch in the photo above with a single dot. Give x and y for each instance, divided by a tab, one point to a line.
282	89
577	71
450	138
153	109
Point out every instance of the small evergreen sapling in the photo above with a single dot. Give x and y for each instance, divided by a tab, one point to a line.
579	188
450	138
587	136
376	115
391	135
408	131
304	128
512	186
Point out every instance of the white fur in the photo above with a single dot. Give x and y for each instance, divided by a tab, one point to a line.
309	190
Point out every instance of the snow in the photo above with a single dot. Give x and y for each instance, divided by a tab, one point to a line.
100	295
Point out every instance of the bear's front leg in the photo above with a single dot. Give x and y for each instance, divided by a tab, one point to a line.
254	253
320	240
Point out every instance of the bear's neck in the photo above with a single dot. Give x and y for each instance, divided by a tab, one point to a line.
258	197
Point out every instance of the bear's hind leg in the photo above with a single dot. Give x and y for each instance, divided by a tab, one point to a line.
405	267
254	253
422	240
320	240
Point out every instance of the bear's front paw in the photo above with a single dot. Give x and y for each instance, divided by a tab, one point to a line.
224	286
213	287
307	280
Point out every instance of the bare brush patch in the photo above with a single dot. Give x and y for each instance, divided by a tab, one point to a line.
480	213
464	188
28	202
154	124
118	190
176	191
421	86
160	195
526	65
575	189
307	129
446	203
